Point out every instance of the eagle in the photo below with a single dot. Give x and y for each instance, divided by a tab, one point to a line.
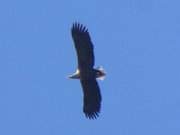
86	72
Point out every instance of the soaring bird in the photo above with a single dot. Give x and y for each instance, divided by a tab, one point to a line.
86	71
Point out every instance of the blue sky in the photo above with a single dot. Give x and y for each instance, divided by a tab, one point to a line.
136	41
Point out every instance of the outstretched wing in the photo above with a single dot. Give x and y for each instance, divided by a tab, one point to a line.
92	98
83	45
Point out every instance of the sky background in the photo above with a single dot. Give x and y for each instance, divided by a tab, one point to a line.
136	41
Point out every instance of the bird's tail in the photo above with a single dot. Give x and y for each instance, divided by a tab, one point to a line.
101	69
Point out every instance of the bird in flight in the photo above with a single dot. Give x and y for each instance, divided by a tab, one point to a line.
86	72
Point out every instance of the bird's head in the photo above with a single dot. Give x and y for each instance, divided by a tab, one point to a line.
76	75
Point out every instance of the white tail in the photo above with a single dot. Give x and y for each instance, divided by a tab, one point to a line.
100	68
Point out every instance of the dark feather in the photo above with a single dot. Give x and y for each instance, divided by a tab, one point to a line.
83	45
92	98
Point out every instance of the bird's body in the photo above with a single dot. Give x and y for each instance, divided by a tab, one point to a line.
86	72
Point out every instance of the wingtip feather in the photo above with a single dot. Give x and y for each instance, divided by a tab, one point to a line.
78	27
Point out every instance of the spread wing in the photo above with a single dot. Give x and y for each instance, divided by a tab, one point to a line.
83	45
92	98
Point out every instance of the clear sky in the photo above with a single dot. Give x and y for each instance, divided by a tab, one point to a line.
136	41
